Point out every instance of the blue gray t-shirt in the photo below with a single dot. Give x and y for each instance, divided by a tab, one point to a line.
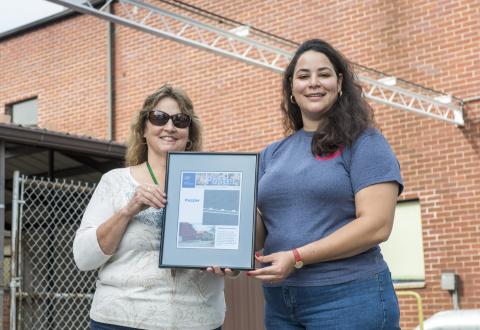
304	198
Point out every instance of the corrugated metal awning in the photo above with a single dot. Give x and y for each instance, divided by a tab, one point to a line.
42	153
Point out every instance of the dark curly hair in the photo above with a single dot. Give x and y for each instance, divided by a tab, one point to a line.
348	117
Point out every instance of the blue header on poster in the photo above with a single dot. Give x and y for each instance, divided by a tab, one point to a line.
188	180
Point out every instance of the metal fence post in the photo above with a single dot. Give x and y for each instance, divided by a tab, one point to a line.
14	281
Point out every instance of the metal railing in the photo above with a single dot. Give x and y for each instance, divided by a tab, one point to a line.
263	50
419	304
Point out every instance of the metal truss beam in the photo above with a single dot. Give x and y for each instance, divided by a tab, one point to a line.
265	52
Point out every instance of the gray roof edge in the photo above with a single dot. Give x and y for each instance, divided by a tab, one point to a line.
64	14
62	141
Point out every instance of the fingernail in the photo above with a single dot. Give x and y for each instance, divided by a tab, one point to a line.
248	274
257	254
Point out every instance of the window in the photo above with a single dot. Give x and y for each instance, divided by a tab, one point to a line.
403	251
24	112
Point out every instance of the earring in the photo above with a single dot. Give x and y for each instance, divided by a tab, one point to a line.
292	99
340	93
189	145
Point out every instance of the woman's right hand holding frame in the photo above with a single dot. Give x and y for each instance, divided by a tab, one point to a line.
110	233
146	195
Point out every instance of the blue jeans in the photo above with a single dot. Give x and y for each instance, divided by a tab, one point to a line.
365	304
94	325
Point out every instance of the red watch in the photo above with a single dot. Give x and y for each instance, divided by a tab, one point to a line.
298	259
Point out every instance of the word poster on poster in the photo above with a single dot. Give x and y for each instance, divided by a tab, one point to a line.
209	210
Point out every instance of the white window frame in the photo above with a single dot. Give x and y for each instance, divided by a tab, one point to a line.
29	105
403	251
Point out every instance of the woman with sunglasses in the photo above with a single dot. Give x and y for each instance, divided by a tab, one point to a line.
120	231
327	196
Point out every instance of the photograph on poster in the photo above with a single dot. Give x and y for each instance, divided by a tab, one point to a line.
209	210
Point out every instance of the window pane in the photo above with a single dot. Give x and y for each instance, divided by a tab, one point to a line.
25	113
403	251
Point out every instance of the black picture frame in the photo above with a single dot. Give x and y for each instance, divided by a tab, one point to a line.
210	216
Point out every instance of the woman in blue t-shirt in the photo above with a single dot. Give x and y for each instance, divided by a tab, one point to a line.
327	196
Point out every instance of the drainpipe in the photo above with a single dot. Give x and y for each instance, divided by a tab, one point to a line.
111	75
2	221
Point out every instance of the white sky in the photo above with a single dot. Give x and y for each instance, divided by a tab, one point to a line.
15	13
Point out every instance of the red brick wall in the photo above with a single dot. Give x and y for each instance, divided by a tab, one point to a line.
64	65
432	43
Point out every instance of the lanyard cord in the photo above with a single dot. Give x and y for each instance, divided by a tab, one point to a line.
151	173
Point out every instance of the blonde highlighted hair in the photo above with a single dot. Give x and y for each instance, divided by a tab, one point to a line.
137	150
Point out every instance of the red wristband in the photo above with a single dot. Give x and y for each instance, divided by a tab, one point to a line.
298	259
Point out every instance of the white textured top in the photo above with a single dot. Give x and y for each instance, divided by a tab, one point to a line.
131	289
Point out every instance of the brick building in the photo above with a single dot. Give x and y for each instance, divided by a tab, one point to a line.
62	63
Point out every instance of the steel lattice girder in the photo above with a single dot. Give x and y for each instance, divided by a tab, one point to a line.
266	53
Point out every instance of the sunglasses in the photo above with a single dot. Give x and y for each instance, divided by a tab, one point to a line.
160	118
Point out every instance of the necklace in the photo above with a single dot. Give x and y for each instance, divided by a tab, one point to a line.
151	173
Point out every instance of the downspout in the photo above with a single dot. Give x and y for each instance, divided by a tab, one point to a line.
111	75
2	221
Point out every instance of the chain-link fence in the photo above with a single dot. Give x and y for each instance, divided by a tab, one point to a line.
51	293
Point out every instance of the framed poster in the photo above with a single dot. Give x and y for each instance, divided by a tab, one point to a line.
209	219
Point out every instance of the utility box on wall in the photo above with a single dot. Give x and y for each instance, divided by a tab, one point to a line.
449	281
